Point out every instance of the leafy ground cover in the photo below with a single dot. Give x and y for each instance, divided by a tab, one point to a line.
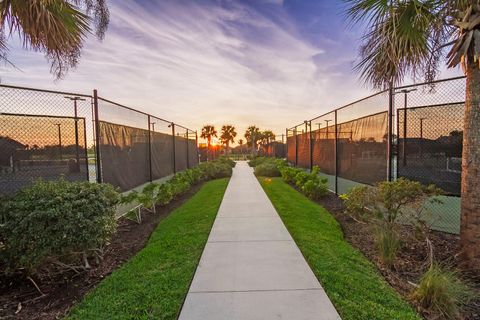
351	281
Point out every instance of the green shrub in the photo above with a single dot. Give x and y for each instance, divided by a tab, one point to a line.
257	161
147	198
215	170
315	189
56	221
227	161
180	183
389	204
267	169
442	291
301	178
165	194
289	174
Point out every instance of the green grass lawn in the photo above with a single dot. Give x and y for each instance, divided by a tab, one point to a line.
352	282
154	283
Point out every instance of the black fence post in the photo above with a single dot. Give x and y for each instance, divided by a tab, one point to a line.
97	137
188	146
196	147
296	147
311	146
389	133
86	148
335	152
286	144
150	148
173	139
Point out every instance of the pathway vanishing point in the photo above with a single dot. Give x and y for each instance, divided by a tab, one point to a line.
251	268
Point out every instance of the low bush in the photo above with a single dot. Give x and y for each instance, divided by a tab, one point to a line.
215	170
227	161
267	169
315	188
56	222
387	205
255	161
442	291
161	194
289	174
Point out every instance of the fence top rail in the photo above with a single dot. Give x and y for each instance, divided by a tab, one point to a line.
433	105
144	113
46	91
39	115
381	92
431	82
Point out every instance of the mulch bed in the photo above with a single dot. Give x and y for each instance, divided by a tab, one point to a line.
412	259
19	299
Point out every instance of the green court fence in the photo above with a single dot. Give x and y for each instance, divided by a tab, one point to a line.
412	131
51	134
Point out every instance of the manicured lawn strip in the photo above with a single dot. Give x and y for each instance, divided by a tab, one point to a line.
154	283
352	282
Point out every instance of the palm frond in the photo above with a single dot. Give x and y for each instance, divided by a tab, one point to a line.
56	27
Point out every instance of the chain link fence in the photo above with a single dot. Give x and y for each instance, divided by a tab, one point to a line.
51	135
413	131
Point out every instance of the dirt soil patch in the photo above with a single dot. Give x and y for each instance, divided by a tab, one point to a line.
412	259
19	299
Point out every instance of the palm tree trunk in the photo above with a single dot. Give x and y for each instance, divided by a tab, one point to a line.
208	150
470	219
227	145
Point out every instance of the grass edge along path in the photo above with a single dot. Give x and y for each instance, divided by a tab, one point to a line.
153	284
350	280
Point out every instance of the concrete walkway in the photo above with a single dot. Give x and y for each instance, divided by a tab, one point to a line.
251	268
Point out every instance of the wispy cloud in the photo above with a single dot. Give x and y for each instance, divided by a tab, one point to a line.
205	62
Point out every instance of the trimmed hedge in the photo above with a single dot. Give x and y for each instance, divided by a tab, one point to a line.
55	221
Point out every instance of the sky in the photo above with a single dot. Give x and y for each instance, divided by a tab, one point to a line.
269	63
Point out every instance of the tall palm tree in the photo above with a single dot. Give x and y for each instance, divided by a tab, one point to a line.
240	142
412	37
208	132
55	27
253	135
267	136
227	136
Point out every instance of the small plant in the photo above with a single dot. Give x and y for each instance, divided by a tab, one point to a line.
442	291
267	169
387	243
315	189
388	204
289	174
147	198
56	223
165	194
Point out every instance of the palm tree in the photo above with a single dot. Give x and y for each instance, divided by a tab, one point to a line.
240	142
410	37
208	132
56	27
227	136
253	135
266	137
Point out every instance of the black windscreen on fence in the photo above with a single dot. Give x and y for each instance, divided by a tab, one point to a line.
162	155
430	145
192	153
291	152
303	141
181	153
362	149
124	154
324	149
41	147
